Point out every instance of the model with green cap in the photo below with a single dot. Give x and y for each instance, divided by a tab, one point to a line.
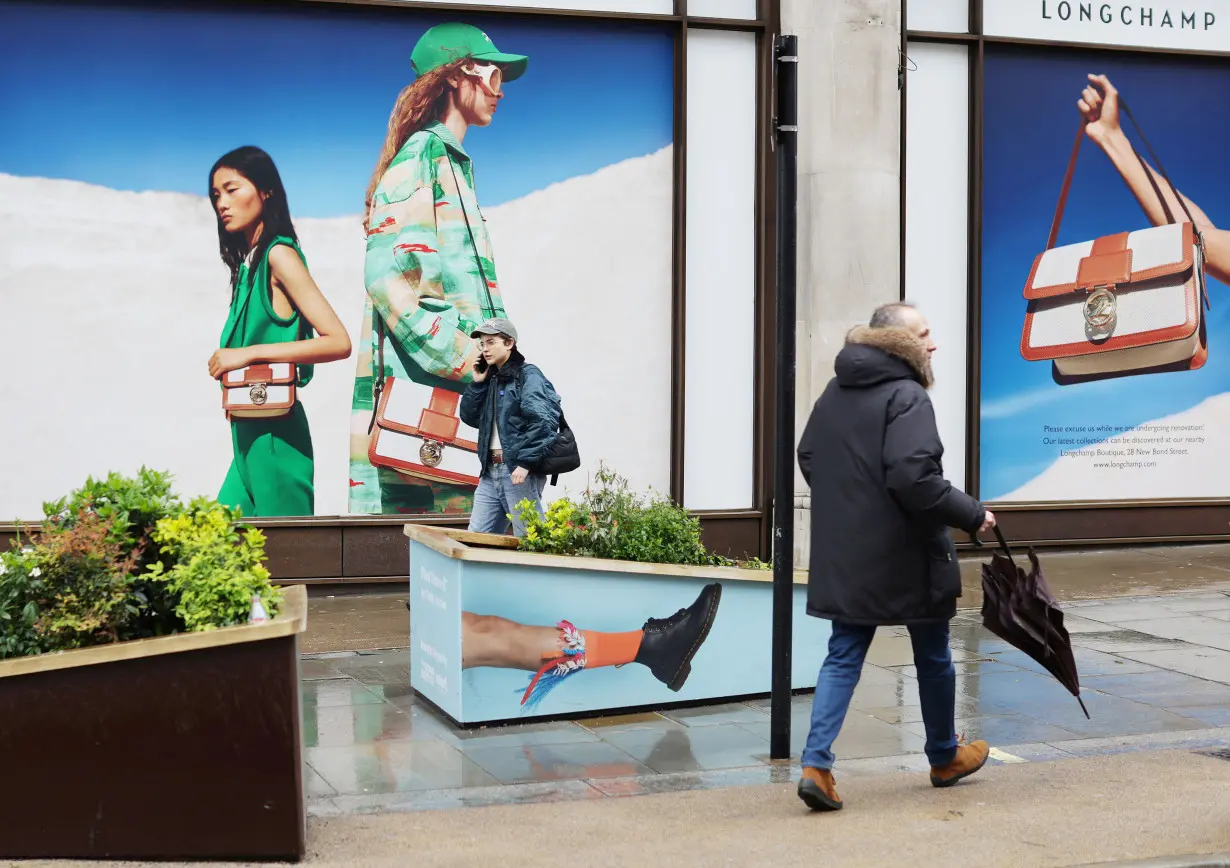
430	278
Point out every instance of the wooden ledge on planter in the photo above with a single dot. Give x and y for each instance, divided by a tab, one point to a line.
179	747
500	635
500	549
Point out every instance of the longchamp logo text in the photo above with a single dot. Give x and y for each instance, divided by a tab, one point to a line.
1128	14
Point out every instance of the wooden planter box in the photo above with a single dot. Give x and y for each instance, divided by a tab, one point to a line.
479	609
183	747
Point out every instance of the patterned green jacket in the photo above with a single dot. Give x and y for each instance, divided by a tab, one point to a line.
424	283
422	268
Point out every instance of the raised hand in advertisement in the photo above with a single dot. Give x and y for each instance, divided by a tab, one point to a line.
1099	108
1099	105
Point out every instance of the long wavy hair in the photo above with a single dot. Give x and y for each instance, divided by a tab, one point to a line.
417	105
259	168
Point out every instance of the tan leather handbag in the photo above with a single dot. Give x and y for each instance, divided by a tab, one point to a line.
259	391
1120	305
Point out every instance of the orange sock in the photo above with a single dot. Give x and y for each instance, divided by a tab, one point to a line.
611	649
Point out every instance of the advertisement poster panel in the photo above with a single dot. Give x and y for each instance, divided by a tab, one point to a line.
414	173
498	641
1105	353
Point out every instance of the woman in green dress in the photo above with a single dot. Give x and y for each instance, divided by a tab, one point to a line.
277	314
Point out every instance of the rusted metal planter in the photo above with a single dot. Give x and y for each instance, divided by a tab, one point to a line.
183	747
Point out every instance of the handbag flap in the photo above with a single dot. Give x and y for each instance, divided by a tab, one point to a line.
274	373
1113	261
412	408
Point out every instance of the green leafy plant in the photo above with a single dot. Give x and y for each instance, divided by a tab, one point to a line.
122	558
19	592
217	569
611	521
81	587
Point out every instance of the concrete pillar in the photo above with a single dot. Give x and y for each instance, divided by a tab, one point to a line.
849	186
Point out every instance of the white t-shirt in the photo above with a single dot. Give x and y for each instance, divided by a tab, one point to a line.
495	420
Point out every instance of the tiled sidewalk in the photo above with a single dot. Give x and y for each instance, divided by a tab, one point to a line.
1155	672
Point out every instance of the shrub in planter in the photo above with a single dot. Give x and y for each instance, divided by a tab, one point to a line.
610	521
122	558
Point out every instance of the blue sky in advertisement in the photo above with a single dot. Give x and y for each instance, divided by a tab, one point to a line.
134	98
1030	122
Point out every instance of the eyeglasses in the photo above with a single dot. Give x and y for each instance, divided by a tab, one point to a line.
490	76
487	343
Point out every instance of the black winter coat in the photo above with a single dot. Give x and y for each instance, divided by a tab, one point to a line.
881	549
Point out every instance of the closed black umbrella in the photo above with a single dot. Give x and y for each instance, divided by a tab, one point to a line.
1018	607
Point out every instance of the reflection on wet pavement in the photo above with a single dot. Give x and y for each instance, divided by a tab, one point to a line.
1154	671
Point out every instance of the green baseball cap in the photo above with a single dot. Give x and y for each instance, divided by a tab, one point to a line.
444	43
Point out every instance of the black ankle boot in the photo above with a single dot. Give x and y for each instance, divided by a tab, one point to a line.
670	643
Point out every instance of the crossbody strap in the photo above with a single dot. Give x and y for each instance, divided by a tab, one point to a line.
478	259
1067	178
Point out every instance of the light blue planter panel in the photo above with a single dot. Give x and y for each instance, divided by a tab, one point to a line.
528	605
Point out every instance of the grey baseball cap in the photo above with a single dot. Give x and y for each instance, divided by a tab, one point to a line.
496	326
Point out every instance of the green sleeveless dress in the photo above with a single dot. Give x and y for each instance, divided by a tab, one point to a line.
272	471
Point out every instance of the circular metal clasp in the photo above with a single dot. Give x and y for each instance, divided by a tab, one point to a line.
1100	308
259	394
431	453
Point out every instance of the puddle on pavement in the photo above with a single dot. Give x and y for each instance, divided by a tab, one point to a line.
1107	573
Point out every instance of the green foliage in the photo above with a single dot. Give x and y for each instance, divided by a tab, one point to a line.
80	583
610	521
217	570
19	593
122	558
130	507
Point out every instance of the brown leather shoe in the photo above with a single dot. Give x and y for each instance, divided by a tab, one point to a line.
969	759
818	791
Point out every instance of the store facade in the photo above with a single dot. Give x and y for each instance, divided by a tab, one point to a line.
1082	383
625	185
627	188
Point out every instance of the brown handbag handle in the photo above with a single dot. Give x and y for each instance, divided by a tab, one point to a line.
1067	178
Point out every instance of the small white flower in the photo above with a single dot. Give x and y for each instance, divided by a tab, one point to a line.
36	572
27	550
3	568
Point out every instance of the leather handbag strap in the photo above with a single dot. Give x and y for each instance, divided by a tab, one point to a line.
1067	178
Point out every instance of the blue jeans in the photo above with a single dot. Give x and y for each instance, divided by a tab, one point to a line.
937	690
497	497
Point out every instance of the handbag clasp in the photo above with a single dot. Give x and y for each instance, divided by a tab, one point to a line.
1100	307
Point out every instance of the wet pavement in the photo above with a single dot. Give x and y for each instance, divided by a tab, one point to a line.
1155	672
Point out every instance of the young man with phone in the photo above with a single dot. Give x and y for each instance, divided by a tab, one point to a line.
516	411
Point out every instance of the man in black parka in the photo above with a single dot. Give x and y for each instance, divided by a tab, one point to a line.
881	549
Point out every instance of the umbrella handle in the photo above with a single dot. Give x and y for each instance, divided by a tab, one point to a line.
999	536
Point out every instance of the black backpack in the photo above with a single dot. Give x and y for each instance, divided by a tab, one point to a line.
562	456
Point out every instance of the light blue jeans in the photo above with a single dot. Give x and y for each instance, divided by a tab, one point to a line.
496	498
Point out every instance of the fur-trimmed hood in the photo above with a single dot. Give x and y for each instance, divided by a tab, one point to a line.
878	355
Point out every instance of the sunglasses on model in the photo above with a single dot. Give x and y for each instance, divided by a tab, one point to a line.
490	76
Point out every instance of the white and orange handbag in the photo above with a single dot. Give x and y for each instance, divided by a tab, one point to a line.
417	429
1120	305
259	391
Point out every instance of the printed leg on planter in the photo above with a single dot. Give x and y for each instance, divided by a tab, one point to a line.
665	646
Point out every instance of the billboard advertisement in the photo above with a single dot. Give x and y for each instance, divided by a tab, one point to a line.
1105	354
248	244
